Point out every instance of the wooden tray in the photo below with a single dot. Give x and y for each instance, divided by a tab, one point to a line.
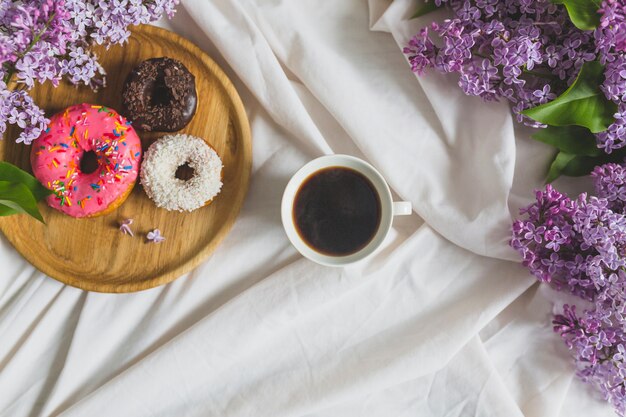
93	254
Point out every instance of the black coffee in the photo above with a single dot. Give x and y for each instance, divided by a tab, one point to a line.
337	211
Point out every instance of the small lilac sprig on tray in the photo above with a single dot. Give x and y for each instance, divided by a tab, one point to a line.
48	40
155	236
125	227
579	246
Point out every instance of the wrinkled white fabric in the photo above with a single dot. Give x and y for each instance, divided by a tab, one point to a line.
439	322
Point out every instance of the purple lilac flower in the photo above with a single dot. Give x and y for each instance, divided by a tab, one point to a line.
47	40
615	137
533	48
614	86
18	108
610	183
544	95
579	246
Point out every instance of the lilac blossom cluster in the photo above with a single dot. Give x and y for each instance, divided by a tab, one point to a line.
579	246
48	40
526	51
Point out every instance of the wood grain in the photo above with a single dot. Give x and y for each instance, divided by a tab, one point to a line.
91	253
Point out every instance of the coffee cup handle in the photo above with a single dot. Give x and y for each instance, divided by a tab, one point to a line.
402	208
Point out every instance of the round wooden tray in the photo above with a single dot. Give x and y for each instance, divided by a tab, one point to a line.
93	254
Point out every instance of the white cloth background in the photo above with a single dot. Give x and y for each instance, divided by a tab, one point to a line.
439	323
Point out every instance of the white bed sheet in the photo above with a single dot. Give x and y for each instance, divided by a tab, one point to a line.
439	323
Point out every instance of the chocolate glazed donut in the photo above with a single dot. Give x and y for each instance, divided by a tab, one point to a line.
160	95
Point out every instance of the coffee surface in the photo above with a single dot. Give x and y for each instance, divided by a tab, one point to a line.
337	211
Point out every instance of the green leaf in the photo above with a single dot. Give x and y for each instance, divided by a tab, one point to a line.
582	104
7	211
18	197
583	13
560	162
425	8
11	173
581	165
574	140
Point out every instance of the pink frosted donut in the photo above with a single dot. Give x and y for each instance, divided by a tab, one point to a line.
89	157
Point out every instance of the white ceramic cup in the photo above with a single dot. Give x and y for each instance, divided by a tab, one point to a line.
389	208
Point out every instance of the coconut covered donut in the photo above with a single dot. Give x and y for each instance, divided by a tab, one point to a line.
165	157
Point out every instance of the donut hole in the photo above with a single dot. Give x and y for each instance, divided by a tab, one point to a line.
89	162
184	172
159	93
